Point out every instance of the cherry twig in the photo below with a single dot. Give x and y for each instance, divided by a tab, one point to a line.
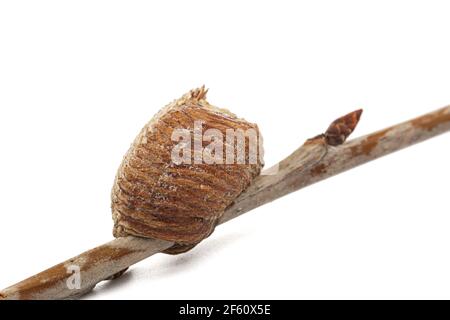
317	159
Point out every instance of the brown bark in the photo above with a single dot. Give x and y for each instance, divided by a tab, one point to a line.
316	160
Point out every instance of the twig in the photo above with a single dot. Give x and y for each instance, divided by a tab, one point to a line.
302	169
316	160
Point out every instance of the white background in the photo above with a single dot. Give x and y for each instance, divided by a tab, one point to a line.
79	79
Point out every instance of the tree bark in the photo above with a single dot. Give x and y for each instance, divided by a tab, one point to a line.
317	159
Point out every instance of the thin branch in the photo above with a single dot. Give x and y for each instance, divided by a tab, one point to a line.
318	159
302	168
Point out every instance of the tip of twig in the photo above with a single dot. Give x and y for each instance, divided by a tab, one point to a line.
341	128
358	113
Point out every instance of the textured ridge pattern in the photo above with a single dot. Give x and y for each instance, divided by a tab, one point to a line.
155	198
